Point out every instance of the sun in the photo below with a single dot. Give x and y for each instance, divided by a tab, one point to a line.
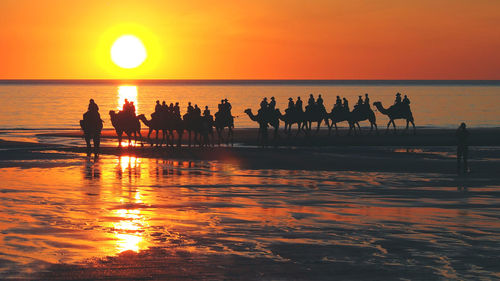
128	51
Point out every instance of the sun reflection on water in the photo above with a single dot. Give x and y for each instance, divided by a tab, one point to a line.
129	230
127	92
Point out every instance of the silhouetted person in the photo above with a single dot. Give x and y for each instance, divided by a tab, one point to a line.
125	106
132	108
263	104
177	110
311	101
345	105
462	147
93	106
164	106
171	108
291	105
298	104
220	105
338	103
190	108
272	104
157	106
206	112
367	100
406	100
228	106
196	111
319	101
360	101
398	99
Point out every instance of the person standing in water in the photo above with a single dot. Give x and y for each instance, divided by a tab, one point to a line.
462	136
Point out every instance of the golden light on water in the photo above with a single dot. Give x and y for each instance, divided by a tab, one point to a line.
129	231
128	162
127	92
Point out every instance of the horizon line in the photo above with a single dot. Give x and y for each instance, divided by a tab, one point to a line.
252	81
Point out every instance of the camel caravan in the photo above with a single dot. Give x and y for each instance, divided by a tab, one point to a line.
166	120
315	112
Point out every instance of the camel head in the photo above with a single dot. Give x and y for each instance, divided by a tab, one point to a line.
141	116
112	113
248	111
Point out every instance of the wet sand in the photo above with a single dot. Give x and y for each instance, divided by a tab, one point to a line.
423	137
353	211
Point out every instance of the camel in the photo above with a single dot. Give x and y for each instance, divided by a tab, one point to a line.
92	127
315	114
264	121
222	122
394	112
192	124
156	124
127	124
361	113
337	115
290	118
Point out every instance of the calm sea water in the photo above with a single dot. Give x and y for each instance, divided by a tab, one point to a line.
62	105
186	218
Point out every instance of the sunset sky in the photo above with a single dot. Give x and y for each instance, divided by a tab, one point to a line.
330	39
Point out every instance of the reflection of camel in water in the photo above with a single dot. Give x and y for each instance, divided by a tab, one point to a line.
156	125
125	123
91	126
394	112
360	113
264	120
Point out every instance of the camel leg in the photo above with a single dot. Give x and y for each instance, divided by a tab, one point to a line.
414	129
97	143
351	126
219	136
149	136
89	147
327	122
387	129
376	129
140	137
394	126
336	129
179	142
317	128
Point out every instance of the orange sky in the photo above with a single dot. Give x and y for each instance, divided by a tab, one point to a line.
289	39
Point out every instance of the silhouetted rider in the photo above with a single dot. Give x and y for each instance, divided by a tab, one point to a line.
93	106
398	99
272	104
406	100
367	100
345	106
291	105
298	104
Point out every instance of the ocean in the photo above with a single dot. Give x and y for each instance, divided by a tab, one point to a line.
59	104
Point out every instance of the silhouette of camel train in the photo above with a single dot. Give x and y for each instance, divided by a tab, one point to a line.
200	127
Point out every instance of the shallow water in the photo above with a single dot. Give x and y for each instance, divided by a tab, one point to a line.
420	226
61	106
